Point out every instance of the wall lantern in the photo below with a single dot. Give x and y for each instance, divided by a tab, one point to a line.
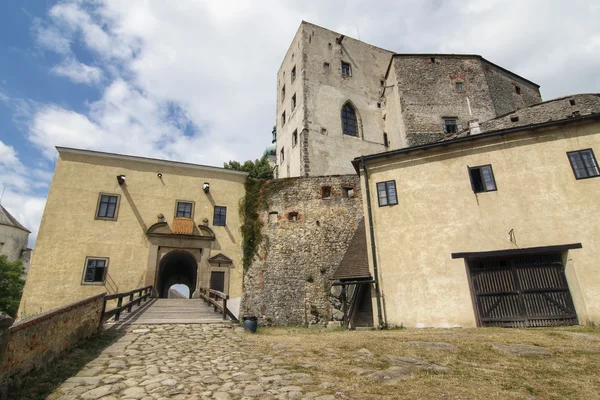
206	187
159	175
121	179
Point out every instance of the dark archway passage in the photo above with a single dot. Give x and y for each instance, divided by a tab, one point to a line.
176	267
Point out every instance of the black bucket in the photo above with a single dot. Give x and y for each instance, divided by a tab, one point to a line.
250	324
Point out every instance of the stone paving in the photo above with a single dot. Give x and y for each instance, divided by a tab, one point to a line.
191	361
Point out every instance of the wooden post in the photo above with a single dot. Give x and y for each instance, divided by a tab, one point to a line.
119	304
344	306
130	302
224	309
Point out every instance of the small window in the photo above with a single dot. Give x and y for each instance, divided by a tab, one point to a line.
293	101
386	193
282	156
294	73
386	142
432	60
283	119
346	70
95	270
107	206
514	118
282	93
220	217
325	192
572	102
349	120
584	164
482	179
273	217
326	66
348	192
293	216
381	83
295	138
378	105
184	209
450	125
459	86
517	89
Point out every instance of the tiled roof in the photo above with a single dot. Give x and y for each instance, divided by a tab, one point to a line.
7	219
183	226
355	263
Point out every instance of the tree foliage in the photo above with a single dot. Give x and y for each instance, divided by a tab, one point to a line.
258	169
11	285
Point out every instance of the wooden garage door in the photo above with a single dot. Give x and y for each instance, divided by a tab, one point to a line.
522	291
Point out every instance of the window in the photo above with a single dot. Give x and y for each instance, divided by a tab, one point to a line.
107	206
283	119
572	102
349	121
346	70
450	125
584	163
293	101
95	270
282	93
381	83
295	138
220	216
294	73
348	192
459	86
325	66
281	156
482	179
325	192
386	193
293	216
386	142
184	209
517	89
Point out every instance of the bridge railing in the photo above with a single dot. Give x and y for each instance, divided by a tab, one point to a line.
218	301
143	295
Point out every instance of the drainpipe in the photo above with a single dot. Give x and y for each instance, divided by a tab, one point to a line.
372	234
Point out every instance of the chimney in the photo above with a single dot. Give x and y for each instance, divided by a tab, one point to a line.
474	128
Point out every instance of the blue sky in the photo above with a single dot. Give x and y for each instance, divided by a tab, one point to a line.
194	80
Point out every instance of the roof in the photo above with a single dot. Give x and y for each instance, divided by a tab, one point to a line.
477	56
465	137
125	157
7	219
355	264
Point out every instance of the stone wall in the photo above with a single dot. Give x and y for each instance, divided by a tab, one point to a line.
35	341
305	237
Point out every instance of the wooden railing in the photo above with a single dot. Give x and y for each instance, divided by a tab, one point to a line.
143	295
212	297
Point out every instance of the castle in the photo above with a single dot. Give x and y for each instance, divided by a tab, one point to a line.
422	190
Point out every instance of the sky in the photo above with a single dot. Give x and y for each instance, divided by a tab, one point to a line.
195	81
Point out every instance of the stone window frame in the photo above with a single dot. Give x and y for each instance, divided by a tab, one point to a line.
222	214
356	116
117	206
175	214
85	268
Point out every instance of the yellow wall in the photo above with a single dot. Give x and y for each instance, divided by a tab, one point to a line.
69	232
438	214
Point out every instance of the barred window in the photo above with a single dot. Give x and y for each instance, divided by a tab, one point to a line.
482	179
584	164
107	206
386	193
184	209
95	270
349	120
220	217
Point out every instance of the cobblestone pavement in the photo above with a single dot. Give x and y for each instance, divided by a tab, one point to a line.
199	361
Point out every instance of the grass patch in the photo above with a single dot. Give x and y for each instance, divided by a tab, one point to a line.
475	369
38	384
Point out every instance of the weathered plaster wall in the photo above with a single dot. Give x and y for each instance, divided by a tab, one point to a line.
69	231
438	214
34	342
12	241
292	274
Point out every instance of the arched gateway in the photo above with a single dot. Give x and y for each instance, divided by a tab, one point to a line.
179	255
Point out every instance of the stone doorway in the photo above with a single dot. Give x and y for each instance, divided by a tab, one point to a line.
176	267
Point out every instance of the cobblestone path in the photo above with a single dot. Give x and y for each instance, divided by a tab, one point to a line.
198	361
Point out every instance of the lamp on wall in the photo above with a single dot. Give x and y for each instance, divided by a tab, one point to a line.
121	179
206	187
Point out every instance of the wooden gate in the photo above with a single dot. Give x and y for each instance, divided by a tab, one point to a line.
522	291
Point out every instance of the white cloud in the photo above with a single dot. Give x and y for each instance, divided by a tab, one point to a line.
78	72
19	186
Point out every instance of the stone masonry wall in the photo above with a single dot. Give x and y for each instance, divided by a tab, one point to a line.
289	281
35	341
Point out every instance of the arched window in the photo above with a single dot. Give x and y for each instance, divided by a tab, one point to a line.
349	120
